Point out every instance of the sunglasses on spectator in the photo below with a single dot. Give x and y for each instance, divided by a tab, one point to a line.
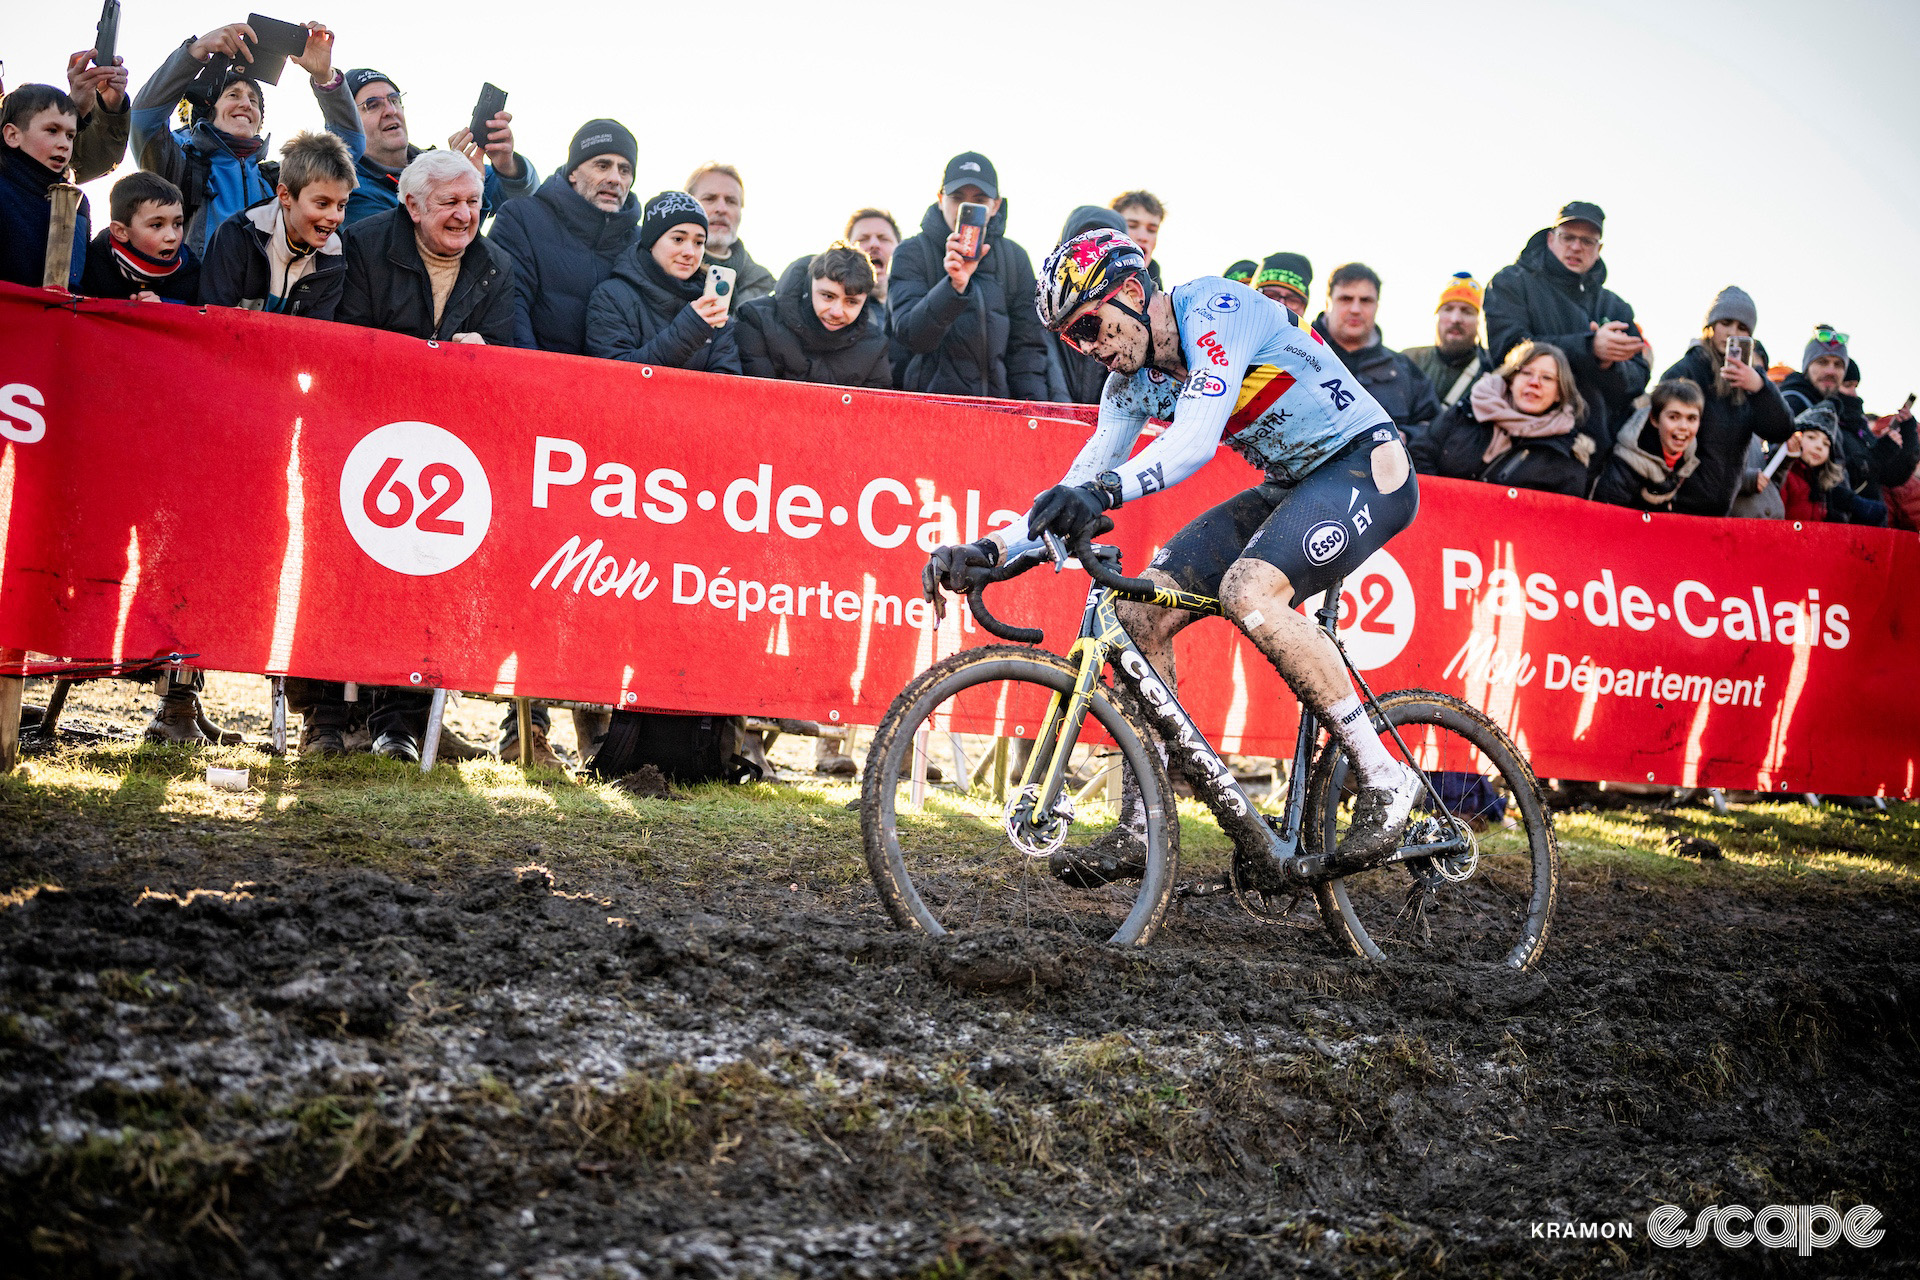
1824	334
380	102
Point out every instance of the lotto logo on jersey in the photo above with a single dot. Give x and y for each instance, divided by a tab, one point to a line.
1210	344
1223	304
1324	541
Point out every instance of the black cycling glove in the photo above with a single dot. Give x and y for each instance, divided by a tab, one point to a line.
953	567
1067	510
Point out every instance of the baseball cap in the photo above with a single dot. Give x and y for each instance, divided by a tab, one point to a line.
1581	211
360	77
971	169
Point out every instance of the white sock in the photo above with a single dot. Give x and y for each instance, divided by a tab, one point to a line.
1347	721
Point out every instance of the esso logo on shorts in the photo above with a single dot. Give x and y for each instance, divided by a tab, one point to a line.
1324	541
1376	611
415	498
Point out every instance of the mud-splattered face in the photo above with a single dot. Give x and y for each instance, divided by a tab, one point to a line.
1110	335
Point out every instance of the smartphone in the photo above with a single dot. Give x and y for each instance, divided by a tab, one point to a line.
106	34
1740	348
1908	406
720	284
972	226
275	41
493	100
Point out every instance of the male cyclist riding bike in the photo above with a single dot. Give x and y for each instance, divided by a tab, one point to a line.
1219	361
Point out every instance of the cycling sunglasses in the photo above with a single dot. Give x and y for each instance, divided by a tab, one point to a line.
1827	335
1085	331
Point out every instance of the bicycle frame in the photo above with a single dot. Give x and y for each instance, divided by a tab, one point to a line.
1103	641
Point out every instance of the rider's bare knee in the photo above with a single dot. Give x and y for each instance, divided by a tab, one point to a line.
1251	587
1149	622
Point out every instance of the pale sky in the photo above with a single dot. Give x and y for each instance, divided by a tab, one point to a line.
1765	144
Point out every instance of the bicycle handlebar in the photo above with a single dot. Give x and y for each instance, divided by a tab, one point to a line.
1097	568
976	601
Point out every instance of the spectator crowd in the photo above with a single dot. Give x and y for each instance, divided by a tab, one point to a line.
1541	378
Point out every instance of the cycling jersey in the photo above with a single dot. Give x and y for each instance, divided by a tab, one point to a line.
1274	392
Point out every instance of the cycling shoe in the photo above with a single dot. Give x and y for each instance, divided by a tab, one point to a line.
1379	819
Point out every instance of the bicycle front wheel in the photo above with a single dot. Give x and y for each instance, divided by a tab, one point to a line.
939	876
1492	905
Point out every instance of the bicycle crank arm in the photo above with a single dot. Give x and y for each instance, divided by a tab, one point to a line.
1313	867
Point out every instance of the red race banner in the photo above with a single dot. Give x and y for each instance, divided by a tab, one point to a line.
289	496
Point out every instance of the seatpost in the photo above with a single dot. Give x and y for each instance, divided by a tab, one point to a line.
1329	610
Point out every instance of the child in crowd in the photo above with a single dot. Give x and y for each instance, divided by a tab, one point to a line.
1656	450
1814	485
654	308
143	253
282	254
37	125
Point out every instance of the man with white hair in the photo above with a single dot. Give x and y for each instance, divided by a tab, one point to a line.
422	268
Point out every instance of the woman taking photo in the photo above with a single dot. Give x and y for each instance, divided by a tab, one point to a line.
652	310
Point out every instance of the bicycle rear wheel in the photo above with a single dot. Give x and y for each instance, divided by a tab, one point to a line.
937	876
1493	905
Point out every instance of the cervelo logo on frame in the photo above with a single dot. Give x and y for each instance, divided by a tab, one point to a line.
1376	611
415	498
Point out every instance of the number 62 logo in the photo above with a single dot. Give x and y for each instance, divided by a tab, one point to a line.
415	498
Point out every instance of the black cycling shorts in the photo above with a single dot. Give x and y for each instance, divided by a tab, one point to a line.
1315	532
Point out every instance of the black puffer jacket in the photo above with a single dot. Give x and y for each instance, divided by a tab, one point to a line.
644	316
1537	298
1402	390
1453	445
984	342
388	287
1726	429
781	337
563	247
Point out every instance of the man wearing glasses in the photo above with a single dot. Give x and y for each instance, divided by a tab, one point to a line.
1223	363
1557	293
504	173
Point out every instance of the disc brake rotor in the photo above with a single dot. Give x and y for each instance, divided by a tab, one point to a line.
1037	836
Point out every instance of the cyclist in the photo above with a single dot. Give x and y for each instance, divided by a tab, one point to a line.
1219	361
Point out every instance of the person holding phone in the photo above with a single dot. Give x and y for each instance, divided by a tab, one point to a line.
1741	407
662	306
217	160
100	92
505	173
959	295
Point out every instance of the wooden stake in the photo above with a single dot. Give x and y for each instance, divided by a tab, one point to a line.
61	223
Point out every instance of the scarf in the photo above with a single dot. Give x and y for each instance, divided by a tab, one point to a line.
142	269
241	148
687	290
1492	406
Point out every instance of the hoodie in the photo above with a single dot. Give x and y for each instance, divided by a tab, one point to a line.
1637	475
781	337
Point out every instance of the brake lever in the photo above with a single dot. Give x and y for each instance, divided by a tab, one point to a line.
1057	549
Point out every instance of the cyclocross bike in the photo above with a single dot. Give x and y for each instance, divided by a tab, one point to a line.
1474	879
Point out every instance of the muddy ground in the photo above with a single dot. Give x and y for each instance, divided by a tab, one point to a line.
366	1025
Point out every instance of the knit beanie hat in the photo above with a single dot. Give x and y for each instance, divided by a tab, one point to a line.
1821	416
360	77
1289	269
1833	344
1733	303
1242	272
601	138
667	210
1852	374
1463	288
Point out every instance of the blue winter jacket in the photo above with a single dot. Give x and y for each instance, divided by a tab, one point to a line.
563	247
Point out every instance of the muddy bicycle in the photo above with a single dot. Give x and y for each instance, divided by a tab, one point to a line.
1473	880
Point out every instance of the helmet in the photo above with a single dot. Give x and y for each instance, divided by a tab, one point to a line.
1088	268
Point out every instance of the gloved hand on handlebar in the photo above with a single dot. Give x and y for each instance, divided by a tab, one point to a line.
954	567
1067	510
